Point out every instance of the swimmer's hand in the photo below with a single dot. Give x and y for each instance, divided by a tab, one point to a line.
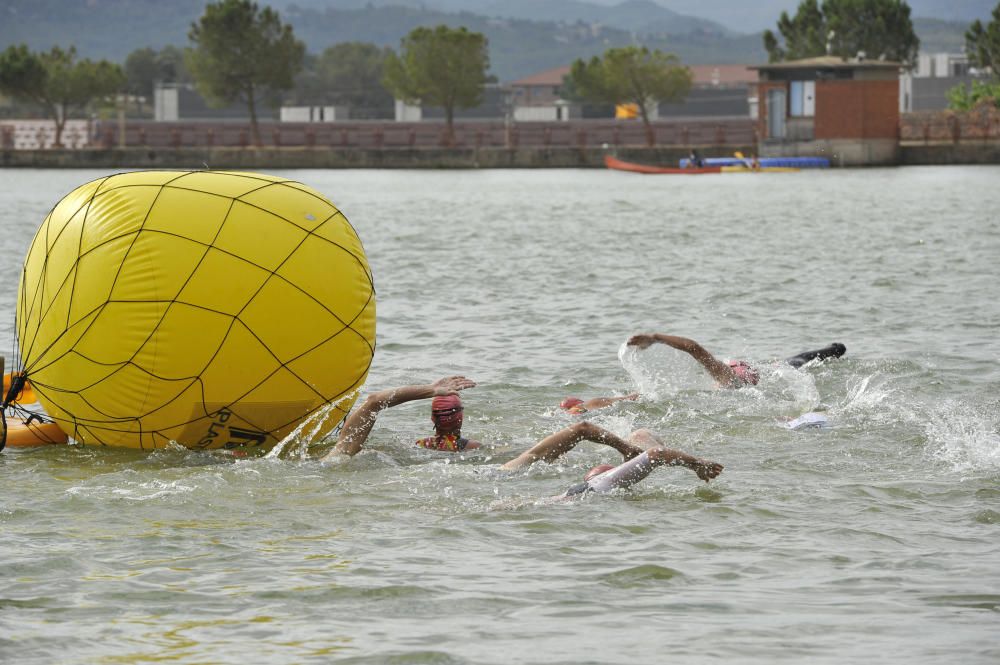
450	385
641	341
706	469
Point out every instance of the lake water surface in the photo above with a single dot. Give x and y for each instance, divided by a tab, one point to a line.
876	540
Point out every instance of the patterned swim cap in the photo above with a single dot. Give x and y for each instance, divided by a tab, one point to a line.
570	402
746	373
446	412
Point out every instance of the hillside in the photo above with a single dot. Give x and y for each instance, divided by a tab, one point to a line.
518	46
733	15
114	28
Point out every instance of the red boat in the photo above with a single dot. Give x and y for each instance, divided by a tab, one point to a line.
619	165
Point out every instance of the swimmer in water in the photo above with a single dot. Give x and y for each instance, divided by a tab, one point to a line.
576	406
734	374
642	452
359	424
446	414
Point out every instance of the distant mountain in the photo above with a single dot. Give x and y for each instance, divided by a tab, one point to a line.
98	28
518	47
744	16
645	16
642	16
114	28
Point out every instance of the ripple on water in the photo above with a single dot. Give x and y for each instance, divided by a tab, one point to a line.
874	536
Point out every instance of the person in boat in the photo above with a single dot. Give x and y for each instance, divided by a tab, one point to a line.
577	406
735	373
694	160
641	453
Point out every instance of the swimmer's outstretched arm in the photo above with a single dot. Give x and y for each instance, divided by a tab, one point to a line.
630	472
601	402
657	454
555	445
359	424
705	469
719	370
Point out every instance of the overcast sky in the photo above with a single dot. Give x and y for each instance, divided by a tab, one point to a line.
754	15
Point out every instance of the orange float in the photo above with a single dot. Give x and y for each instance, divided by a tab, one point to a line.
27	395
33	434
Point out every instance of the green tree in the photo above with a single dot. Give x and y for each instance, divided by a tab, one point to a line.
805	35
56	81
962	98
631	75
881	29
145	66
439	66
348	74
983	43
241	53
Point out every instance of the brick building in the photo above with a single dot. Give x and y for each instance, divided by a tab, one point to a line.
845	110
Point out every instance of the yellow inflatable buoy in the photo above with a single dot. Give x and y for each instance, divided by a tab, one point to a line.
212	309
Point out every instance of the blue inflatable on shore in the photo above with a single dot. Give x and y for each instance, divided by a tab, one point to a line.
784	162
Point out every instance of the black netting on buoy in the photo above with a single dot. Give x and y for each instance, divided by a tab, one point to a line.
90	429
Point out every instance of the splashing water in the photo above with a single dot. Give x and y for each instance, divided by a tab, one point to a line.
661	371
963	436
305	434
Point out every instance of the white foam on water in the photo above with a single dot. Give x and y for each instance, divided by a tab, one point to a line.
965	437
661	371
299	439
132	491
869	395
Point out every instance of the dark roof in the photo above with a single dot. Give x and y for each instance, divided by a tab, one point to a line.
829	62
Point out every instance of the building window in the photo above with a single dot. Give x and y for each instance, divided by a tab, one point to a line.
776	113
802	102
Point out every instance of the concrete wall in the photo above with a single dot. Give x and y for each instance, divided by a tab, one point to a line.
973	152
840	152
292	158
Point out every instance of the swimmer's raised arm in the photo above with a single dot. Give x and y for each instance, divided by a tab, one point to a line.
555	445
359	424
719	370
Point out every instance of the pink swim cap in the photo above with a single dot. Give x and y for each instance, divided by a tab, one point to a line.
598	470
446	412
746	373
446	403
570	402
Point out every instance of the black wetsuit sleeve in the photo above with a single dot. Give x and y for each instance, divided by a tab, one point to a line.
835	350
